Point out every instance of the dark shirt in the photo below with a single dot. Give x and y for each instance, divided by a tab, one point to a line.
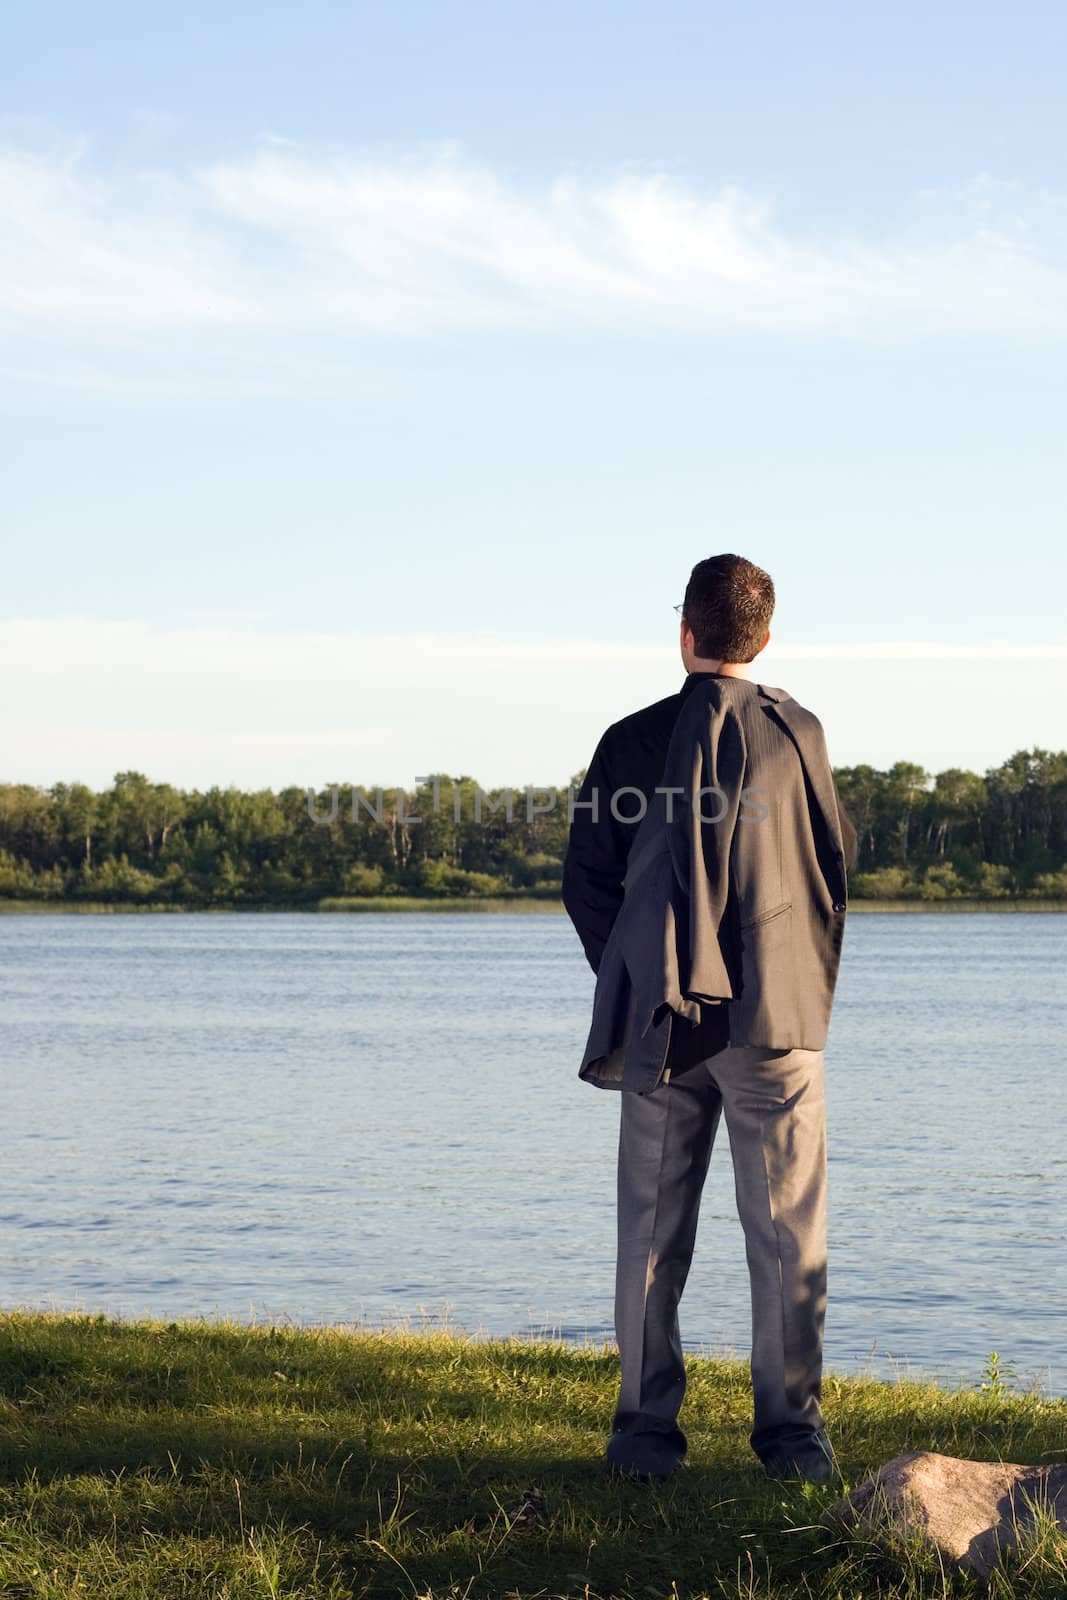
630	757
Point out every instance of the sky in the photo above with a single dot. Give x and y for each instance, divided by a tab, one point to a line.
372	377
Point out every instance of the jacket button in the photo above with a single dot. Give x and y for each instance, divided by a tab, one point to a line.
839	905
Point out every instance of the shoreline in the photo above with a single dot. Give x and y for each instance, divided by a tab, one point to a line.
519	905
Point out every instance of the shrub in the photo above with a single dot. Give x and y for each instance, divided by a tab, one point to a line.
537	868
437	878
941	883
18	881
885	883
116	880
363	880
994	881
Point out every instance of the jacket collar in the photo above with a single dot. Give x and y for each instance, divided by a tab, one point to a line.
693	678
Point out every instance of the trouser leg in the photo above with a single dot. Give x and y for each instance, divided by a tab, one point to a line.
775	1110
665	1141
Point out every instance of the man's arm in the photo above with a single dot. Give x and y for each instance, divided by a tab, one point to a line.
595	864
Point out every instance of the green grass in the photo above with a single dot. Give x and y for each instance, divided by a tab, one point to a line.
961	905
519	904
160	1459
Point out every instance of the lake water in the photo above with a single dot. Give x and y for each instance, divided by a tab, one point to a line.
360	1118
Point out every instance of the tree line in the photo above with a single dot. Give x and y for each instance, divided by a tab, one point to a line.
950	835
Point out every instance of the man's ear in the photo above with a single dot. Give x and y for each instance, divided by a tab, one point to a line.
766	642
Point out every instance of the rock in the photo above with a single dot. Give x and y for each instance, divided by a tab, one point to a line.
530	1512
531	1509
968	1509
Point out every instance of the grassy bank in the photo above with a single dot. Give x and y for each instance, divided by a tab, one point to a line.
961	905
519	904
363	904
158	1460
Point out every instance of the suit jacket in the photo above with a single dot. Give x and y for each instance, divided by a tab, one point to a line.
733	900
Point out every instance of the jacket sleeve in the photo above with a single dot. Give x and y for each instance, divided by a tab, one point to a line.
595	864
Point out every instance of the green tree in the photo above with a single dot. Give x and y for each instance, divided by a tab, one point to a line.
958	802
78	811
903	796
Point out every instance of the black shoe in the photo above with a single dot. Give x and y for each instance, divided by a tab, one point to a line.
811	1459
647	1457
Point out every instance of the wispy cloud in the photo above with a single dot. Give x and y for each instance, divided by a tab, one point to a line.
80	251
229	645
229	700
284	238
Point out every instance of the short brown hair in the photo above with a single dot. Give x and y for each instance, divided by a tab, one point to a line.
728	604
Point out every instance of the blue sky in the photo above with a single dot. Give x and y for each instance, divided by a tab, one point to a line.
372	377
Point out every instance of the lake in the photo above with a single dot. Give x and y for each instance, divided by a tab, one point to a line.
352	1118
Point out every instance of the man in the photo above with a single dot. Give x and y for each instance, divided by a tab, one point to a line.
705	876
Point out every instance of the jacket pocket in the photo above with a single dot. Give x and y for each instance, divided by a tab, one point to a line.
767	916
766	946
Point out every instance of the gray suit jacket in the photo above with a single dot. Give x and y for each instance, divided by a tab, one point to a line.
735	889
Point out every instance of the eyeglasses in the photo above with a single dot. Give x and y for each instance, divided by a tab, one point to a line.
679	608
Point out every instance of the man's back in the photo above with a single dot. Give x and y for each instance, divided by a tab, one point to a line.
620	785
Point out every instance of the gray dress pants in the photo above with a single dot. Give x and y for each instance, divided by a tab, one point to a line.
775	1109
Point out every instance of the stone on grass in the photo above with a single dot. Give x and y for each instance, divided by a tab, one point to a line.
967	1509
